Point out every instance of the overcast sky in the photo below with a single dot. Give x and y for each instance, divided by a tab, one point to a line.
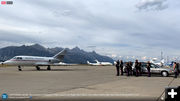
122	27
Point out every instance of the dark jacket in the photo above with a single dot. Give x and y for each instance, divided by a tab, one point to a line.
136	65
148	66
121	64
117	64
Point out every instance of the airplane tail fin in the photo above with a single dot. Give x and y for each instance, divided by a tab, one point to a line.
61	54
97	61
87	62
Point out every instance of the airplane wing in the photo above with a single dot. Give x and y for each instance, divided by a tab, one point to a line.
42	64
61	54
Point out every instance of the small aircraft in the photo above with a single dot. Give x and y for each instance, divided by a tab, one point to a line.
100	63
93	64
36	61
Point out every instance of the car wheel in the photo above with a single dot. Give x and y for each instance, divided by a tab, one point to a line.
164	74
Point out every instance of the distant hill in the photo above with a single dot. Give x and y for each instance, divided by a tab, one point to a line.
74	55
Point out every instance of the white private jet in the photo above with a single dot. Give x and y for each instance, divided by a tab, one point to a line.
100	63
36	61
93	64
104	63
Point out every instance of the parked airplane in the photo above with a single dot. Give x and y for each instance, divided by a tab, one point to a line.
36	60
99	63
104	63
93	64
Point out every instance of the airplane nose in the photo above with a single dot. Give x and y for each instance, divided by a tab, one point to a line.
2	63
5	63
8	62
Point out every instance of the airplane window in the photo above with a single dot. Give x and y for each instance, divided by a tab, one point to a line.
20	58
14	57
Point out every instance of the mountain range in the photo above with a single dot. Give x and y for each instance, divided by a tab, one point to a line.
74	55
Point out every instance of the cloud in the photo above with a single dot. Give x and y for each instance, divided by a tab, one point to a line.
112	26
9	38
152	5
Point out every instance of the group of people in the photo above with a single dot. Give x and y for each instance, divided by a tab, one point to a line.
129	70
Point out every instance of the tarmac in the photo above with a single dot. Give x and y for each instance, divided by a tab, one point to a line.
67	83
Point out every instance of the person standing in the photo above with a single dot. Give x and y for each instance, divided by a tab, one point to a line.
175	69
121	67
127	68
136	67
130	68
139	68
149	68
178	69
117	67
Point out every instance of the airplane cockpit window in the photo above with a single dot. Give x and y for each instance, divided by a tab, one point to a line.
14	57
19	58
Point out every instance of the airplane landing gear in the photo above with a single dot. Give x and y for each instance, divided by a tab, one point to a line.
37	67
19	68
48	68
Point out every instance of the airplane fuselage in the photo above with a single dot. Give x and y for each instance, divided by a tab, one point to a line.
31	61
99	63
36	60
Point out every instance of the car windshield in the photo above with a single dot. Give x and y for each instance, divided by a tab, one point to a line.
154	66
144	65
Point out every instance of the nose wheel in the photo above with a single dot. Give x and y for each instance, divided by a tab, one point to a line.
37	67
19	68
48	68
